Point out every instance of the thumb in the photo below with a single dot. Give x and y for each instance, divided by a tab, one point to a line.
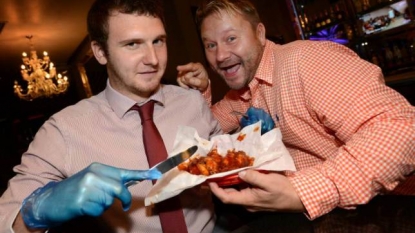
252	177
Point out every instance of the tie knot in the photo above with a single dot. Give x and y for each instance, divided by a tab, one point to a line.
145	111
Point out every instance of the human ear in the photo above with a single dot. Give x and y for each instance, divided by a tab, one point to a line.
260	33
99	53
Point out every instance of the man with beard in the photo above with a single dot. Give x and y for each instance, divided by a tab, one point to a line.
351	136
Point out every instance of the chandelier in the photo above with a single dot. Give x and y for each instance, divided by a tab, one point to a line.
40	75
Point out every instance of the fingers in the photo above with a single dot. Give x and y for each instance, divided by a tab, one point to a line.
193	75
231	196
189	81
186	72
244	197
103	195
189	67
139	175
219	192
251	197
134	175
181	83
123	175
189	75
184	78
257	114
267	192
97	193
111	181
254	178
125	198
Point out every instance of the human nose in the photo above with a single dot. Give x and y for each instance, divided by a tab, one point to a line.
222	53
151	57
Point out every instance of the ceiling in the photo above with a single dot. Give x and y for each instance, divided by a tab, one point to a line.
57	26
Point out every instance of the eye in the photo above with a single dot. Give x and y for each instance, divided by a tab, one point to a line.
159	42
132	45
231	38
210	46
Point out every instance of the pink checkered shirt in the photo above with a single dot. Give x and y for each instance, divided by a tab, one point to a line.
350	135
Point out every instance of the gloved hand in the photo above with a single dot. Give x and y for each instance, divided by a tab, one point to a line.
254	115
88	192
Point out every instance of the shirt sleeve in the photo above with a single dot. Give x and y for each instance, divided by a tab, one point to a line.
207	95
222	109
373	125
40	164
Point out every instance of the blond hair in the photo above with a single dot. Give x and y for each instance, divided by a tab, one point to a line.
242	7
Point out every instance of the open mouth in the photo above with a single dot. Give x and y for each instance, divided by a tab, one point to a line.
231	70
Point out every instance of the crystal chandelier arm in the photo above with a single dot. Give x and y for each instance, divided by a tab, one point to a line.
41	76
19	92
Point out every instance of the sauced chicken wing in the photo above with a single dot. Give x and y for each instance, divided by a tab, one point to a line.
215	163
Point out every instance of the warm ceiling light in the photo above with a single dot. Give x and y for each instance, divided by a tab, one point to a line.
40	75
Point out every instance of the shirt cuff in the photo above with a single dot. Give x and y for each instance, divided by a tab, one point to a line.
317	193
207	95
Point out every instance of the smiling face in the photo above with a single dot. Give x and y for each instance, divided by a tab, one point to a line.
137	54
233	48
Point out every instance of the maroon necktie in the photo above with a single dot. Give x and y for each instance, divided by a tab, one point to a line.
170	211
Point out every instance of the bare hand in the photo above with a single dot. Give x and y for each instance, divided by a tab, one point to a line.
193	75
268	192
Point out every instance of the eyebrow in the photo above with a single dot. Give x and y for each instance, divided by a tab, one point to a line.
162	36
140	40
229	30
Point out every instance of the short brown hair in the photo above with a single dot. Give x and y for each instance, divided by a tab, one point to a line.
100	11
243	7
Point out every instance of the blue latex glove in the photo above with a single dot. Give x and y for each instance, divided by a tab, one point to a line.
257	114
88	192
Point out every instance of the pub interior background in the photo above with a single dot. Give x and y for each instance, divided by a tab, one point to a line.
285	21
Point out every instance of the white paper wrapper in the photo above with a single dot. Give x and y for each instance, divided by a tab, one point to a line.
268	150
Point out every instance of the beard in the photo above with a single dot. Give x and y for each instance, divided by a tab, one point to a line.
248	66
244	76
